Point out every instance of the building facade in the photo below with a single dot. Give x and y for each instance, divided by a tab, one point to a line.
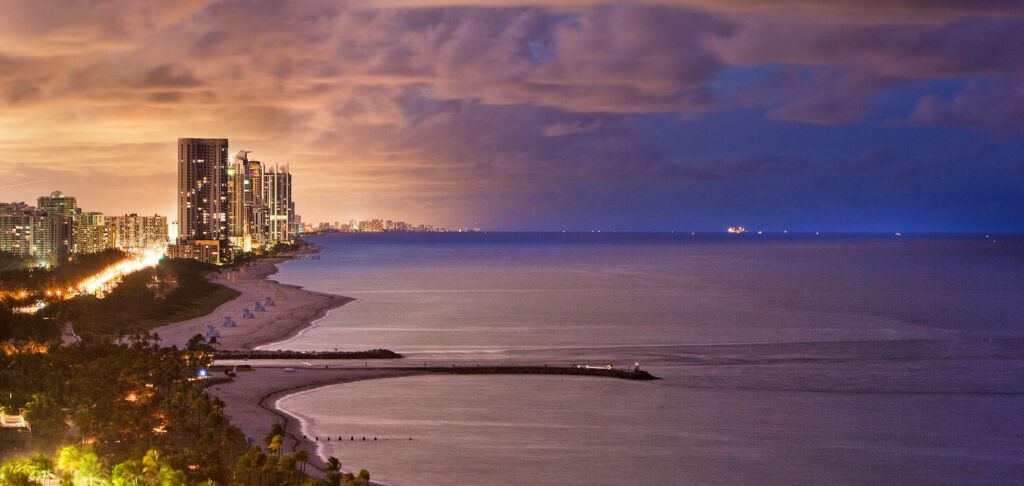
53	232
206	251
248	218
16	229
92	235
244	204
134	232
280	208
203	189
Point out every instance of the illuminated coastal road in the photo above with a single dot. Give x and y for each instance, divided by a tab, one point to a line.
102	282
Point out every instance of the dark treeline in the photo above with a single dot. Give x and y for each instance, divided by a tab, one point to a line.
172	291
67	273
22	286
10	261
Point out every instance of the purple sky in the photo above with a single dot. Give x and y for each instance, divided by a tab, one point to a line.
894	115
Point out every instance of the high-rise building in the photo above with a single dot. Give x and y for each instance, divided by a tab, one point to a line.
53	235
58	204
246	202
203	212
16	228
278	199
134	232
92	235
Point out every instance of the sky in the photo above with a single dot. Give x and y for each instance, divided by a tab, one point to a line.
661	115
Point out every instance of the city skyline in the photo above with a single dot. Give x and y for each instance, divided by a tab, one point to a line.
545	115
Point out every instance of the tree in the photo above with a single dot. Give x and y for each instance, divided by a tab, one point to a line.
302	457
46	416
68	459
275	429
287	465
333	464
151	463
170	477
89	471
275	445
127	473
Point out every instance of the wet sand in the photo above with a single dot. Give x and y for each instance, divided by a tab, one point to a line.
295	308
250	400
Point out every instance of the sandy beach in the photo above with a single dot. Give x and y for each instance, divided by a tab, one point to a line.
250	400
295	308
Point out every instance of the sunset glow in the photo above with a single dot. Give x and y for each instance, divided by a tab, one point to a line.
559	115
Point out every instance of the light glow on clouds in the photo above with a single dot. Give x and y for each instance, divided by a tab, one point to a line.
538	114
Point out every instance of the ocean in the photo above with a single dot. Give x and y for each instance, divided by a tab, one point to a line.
786	359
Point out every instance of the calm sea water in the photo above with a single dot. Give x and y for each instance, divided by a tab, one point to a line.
787	359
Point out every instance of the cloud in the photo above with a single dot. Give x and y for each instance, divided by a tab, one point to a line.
574	127
997	107
465	107
734	166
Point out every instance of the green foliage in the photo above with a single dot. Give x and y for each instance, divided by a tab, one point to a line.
174	290
26	471
132	402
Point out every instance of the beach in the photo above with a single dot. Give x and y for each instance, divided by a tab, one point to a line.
294	308
250	400
251	396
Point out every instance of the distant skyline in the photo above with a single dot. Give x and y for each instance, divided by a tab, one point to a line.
661	115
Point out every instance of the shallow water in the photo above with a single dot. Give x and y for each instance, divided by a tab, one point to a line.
711	315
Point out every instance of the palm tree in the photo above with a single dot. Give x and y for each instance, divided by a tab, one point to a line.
151	463
275	445
128	473
170	477
68	458
303	457
89	472
333	464
41	466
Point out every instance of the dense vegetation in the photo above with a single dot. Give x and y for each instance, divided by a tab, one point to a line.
25	285
76	268
172	291
123	401
135	416
10	261
117	409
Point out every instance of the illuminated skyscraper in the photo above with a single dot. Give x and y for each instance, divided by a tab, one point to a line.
246	202
203	212
16	228
53	234
277	195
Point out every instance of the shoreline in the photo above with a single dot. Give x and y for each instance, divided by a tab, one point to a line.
295	308
251	402
252	398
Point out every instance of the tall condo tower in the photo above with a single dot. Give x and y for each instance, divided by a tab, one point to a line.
203	212
278	198
245	200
